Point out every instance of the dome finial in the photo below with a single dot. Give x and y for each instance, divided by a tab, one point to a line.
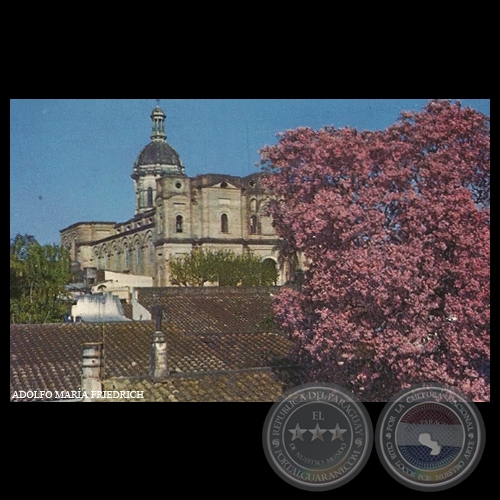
158	123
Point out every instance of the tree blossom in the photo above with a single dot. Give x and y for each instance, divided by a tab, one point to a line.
394	228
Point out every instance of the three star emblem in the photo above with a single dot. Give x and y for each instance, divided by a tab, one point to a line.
317	433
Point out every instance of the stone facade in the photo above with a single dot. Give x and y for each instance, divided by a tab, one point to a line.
174	214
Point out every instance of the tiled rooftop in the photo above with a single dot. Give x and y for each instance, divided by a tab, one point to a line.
203	367
127	309
207	310
259	385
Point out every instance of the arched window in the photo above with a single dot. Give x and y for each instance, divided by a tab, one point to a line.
105	258
151	251
178	224
253	224
138	257
253	205
224	224
115	259
150	197
160	223
126	257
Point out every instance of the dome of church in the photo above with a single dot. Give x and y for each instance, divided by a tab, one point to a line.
158	157
158	153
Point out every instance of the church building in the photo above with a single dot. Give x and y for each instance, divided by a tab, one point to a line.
175	213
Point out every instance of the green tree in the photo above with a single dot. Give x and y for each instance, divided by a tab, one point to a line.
38	274
222	267
194	269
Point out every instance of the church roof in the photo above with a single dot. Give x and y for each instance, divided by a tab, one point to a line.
157	152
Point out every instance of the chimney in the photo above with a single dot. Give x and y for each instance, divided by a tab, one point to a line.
158	361
92	368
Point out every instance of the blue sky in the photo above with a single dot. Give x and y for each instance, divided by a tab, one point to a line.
71	159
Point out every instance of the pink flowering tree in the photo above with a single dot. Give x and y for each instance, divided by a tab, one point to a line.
393	227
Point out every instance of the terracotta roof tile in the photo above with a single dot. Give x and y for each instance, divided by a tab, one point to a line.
127	310
213	309
260	385
47	357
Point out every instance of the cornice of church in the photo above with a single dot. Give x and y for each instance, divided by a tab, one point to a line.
117	236
218	241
